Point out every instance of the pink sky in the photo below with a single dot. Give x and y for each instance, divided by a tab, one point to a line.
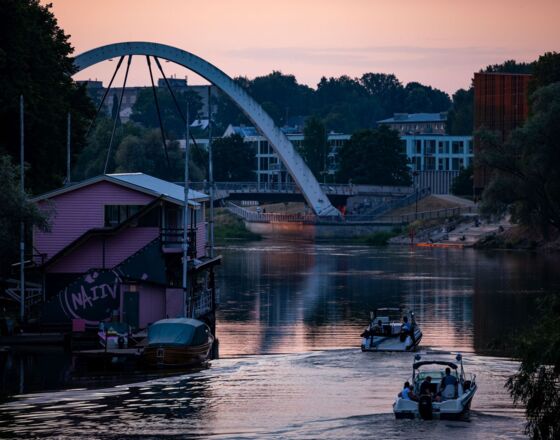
436	42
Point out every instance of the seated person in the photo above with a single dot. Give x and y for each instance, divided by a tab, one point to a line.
448	385
406	325
408	392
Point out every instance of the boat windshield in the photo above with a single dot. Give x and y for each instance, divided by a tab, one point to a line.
388	315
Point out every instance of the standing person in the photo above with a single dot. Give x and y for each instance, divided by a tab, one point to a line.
448	385
426	386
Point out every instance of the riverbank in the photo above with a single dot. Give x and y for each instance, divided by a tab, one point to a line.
521	238
228	227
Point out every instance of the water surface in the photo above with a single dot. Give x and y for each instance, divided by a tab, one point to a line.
290	362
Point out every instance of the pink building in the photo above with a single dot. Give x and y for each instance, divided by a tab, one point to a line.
115	248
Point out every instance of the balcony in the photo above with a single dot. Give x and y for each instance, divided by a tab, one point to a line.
172	241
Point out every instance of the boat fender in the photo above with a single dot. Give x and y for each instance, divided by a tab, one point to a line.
120	341
425	407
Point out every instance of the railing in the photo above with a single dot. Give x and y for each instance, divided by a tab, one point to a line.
33	293
257	217
292	188
173	237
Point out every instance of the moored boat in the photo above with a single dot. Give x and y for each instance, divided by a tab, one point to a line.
387	332
436	392
178	342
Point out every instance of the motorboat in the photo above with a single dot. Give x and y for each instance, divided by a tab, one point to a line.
385	331
434	399
177	342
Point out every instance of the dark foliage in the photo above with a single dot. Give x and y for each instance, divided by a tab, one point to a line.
35	62
314	148
144	110
536	385
14	209
234	160
460	119
527	177
463	183
374	157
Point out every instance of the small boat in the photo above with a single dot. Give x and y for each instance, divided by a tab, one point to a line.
451	402
385	331
178	342
113	335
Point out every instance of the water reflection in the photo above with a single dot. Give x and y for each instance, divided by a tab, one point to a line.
279	298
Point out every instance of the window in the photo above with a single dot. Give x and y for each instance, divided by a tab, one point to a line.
470	147
418	145
430	147
456	164
457	147
430	163
116	214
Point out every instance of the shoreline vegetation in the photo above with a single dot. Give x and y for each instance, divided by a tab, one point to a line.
229	227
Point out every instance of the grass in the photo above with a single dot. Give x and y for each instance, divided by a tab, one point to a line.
229	227
380	238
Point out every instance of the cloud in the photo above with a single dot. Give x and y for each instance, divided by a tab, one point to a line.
377	56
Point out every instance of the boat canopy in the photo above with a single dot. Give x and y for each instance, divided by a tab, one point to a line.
417	365
179	332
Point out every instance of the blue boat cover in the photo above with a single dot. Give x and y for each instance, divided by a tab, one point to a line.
178	332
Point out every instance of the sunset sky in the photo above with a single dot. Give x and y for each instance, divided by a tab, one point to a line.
436	42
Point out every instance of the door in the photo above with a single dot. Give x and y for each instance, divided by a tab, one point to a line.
131	312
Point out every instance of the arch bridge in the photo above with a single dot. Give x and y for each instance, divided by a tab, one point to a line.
304	178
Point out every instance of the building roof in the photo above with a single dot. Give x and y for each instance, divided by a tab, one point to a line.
137	181
415	117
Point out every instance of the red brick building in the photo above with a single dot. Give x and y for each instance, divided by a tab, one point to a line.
500	105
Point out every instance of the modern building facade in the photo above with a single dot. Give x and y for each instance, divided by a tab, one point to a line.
417	123
429	152
269	168
500	106
115	251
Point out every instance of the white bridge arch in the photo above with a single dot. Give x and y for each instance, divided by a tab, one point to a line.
295	165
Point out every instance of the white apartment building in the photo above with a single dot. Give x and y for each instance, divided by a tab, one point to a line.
269	168
433	152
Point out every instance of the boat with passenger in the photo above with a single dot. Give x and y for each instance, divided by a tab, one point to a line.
391	330
437	389
179	342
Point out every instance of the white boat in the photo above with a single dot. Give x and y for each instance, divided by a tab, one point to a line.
451	402
385	331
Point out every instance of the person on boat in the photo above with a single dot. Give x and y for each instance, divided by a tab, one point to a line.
405	325
377	328
407	392
426	387
448	385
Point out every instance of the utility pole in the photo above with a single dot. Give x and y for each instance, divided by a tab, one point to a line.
68	145
22	225
186	219
210	176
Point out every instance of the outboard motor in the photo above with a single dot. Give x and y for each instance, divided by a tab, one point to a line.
425	407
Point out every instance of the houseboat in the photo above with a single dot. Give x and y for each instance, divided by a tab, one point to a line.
114	253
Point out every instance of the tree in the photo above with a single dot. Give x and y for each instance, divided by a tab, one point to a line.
460	119
424	99
546	70
35	62
387	89
374	157
234	160
526	178
537	381
463	183
14	210
144	110
314	147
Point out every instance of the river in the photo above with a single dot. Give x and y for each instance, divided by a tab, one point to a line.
290	364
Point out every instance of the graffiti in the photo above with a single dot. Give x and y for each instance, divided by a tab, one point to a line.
83	300
93	297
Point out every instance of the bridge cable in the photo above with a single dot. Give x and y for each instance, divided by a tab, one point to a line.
117	115
181	114
161	129
104	97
